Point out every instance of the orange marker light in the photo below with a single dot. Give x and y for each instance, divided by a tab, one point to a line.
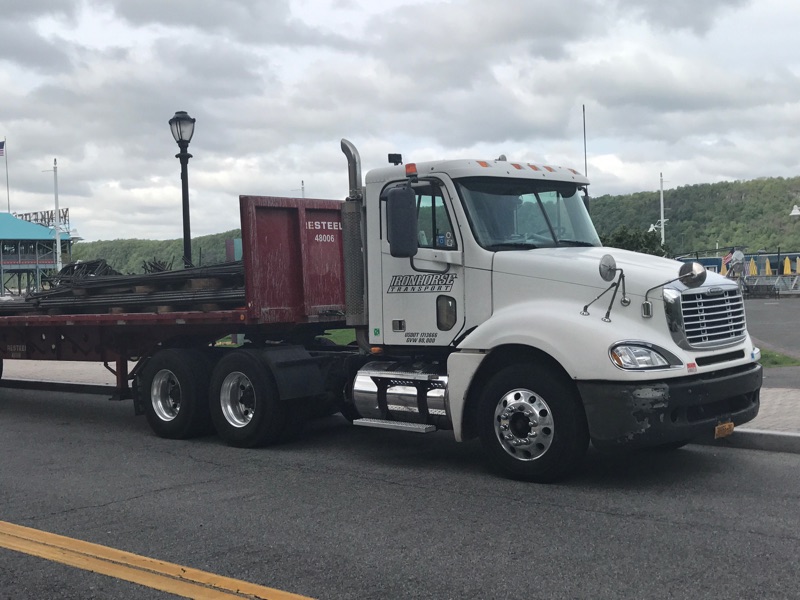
534	167
516	166
411	170
483	163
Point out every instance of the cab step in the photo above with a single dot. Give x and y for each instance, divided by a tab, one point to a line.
396	425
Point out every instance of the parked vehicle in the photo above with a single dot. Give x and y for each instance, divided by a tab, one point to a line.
482	302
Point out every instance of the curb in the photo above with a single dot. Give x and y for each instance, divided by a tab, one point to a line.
758	439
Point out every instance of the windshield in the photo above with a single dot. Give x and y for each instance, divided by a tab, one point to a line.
509	214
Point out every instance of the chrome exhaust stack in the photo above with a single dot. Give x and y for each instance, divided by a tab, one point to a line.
355	280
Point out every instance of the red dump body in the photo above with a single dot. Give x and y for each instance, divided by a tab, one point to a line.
293	274
292	251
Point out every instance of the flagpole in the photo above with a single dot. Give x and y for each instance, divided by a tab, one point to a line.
8	189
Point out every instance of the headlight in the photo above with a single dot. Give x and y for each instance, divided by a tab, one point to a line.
631	356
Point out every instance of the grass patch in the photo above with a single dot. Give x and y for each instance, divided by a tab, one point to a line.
342	337
776	359
226	342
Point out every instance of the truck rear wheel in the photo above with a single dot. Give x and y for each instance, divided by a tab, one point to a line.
245	406
531	423
175	385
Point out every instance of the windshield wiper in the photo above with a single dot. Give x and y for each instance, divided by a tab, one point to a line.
575	243
512	246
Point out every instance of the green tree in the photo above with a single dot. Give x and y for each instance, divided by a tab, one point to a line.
127	256
637	240
749	215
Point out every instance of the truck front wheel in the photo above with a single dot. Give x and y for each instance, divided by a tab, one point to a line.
175	384
531	423
245	406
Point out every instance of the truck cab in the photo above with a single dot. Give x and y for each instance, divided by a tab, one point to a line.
468	214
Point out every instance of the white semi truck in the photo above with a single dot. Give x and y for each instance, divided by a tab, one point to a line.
507	320
482	302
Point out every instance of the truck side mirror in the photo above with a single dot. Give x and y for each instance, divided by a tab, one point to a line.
401	221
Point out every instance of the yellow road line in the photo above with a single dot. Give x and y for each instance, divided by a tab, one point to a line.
156	574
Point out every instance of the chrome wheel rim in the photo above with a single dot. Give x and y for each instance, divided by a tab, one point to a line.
165	395
523	424
237	399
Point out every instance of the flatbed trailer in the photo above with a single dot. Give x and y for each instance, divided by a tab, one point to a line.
291	292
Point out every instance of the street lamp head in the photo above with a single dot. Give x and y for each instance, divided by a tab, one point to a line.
795	211
182	126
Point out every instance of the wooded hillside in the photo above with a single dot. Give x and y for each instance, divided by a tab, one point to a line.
752	214
127	256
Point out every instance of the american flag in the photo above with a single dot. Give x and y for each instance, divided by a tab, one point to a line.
727	258
2	147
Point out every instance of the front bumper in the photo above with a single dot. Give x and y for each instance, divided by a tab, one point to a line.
652	413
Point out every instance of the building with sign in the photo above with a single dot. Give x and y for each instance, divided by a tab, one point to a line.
27	252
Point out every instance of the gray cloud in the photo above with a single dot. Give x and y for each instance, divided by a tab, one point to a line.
13	10
20	44
274	85
696	16
250	21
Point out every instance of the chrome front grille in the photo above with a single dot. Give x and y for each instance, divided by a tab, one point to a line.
712	320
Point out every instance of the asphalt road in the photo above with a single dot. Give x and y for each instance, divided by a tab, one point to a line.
775	324
347	512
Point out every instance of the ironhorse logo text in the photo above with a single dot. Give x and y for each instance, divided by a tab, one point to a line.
415	284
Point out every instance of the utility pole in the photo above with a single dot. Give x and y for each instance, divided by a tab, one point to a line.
57	219
662	209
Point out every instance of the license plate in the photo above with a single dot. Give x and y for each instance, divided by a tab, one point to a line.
723	430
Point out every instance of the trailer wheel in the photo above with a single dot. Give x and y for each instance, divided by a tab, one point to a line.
175	385
245	406
531	423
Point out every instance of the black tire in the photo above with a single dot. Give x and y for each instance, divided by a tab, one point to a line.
245	407
532	424
346	406
174	387
349	412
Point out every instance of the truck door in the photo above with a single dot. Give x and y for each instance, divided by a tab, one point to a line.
423	303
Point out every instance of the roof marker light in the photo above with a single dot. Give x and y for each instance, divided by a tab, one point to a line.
411	170
483	163
551	169
516	166
534	167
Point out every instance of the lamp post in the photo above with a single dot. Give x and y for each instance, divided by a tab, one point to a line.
182	126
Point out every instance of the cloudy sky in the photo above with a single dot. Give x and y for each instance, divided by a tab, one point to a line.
702	91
